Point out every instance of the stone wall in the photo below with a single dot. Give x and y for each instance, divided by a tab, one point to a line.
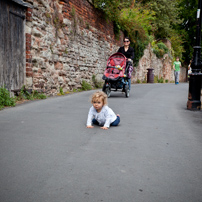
69	41
162	67
66	42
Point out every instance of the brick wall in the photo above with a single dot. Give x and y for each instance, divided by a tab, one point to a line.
89	15
69	41
66	42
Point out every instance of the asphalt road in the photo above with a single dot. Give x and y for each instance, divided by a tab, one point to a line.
154	155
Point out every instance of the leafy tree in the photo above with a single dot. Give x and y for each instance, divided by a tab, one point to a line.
139	19
130	17
166	16
177	44
187	28
110	8
136	22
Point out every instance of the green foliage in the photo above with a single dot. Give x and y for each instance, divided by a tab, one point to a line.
157	80
137	21
139	48
172	19
85	85
117	28
132	18
161	80
37	95
26	95
73	12
74	90
66	51
110	8
96	83
61	91
177	45
187	29
5	99
159	49
166	16
87	25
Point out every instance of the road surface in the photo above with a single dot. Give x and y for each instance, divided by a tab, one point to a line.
154	155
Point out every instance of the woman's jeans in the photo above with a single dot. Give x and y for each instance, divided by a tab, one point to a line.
129	83
115	123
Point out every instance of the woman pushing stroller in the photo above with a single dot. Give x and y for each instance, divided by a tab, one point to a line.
119	68
129	53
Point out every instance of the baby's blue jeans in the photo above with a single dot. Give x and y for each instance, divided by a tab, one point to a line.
115	123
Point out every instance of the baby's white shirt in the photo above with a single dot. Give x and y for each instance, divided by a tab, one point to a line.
105	117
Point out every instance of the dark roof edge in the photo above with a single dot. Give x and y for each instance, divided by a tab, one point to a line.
22	3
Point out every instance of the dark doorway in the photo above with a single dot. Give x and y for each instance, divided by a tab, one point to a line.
12	44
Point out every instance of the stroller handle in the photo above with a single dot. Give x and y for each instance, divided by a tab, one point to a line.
111	66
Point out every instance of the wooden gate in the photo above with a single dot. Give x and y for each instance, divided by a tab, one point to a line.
12	44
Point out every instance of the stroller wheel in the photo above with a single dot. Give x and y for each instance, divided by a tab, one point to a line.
108	91
127	91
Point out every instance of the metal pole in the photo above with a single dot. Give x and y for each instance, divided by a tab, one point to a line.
194	96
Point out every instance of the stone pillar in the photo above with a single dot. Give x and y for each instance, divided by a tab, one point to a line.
29	73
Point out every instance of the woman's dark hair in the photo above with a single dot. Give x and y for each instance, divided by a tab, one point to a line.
126	38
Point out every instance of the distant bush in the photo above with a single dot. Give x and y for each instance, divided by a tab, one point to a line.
85	85
97	84
26	95
161	80
160	49
61	91
156	79
5	99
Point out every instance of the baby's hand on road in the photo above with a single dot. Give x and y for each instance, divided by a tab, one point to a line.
104	128
89	126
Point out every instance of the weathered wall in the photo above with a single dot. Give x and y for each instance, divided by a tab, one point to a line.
66	42
162	67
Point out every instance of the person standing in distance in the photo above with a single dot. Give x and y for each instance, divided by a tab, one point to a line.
176	67
189	69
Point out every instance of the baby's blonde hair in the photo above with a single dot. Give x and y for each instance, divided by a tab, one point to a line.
99	95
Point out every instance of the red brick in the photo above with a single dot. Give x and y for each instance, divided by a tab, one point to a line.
28	36
28	57
28	60
29	74
29	14
28	65
28	69
30	10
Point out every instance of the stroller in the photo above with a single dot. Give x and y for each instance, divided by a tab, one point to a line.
116	74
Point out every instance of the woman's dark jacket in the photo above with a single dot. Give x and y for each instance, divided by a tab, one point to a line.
129	53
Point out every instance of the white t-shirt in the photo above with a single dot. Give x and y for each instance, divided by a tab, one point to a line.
190	71
105	117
